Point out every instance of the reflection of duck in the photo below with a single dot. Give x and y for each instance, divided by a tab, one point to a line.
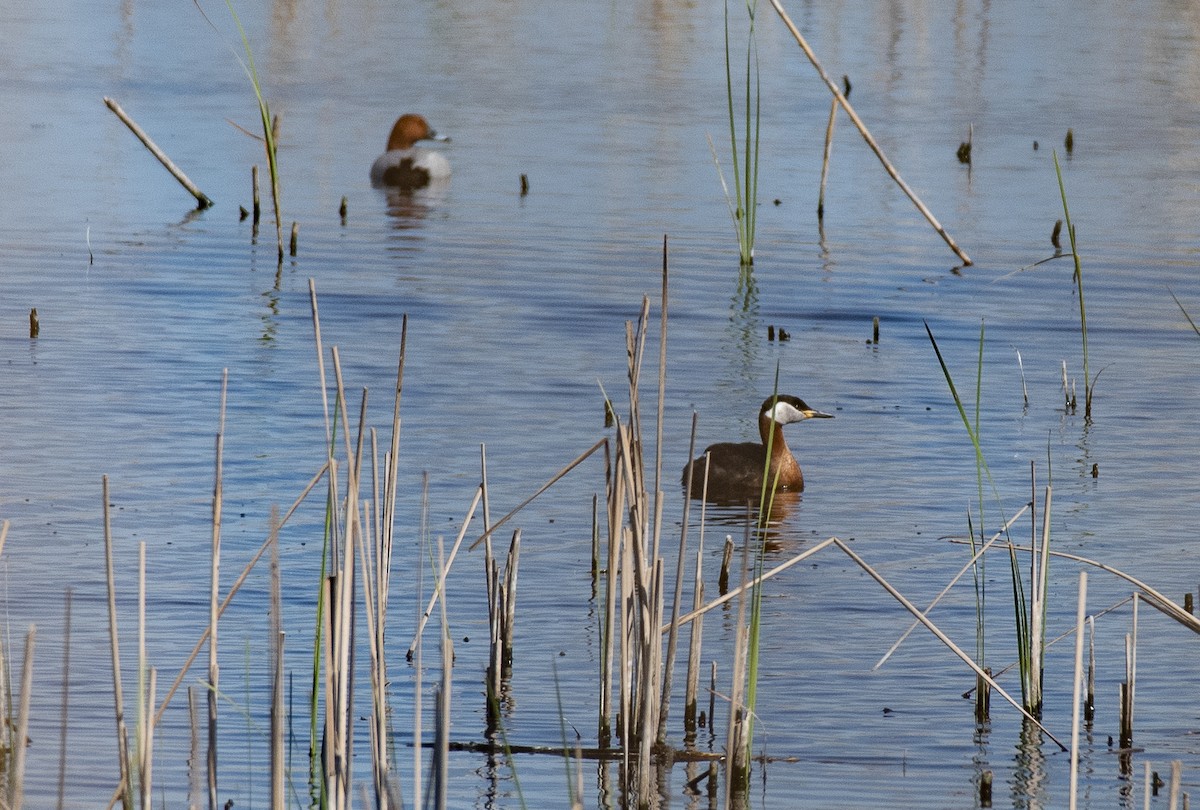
406	166
735	470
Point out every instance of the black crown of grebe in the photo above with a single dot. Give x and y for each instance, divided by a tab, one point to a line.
735	470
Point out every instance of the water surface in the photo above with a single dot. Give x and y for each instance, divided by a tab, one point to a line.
517	309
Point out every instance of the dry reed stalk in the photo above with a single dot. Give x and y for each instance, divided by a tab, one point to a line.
1133	648
641	613
376	583
16	779
146	760
1039	566
441	746
659	414
340	674
142	669
214	600
737	761
257	206
316	321
1089	706
1173	785
194	778
1128	687
1148	787
949	585
726	555
779	569
249	566
692	680
1151	596
833	107
146	693
490	530
942	637
65	697
693	672
1077	687
437	594
502	617
126	784
380	762
391	481
862	129
712	702
672	635
614	505
201	199
277	771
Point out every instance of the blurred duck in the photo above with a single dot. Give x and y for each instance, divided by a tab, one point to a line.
405	165
735	470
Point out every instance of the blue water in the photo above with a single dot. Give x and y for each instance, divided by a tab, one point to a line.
517	309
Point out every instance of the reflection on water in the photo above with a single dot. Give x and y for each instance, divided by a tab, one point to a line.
1030	782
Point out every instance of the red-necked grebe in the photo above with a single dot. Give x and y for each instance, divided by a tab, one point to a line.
735	470
406	166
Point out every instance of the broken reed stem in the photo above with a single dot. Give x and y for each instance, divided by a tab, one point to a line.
437	594
183	670
833	107
1077	688
1146	593
66	691
558	476
254	186
125	788
17	778
942	637
779	569
214	601
953	581
726	555
201	199
862	129
146	760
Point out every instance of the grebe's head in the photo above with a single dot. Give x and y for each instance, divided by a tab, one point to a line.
409	129
785	409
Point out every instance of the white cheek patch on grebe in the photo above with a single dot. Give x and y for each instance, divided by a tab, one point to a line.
785	413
